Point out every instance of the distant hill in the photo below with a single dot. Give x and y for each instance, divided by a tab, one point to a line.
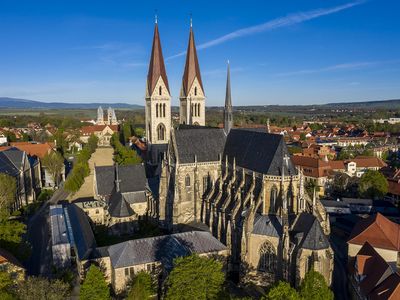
31	104
388	104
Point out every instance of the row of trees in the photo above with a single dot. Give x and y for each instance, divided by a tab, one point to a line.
124	155
81	166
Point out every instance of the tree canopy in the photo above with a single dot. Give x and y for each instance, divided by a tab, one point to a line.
314	287
142	287
54	163
373	184
8	189
94	286
282	291
124	155
34	288
195	277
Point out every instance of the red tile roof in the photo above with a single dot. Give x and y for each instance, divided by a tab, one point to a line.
97	128
377	230
38	150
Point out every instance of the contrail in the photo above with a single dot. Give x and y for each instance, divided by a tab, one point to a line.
274	24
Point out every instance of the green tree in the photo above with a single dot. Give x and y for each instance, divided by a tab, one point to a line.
94	287
142	287
34	288
92	143
6	286
373	184
282	291
314	287
54	164
303	136
61	142
195	277
8	189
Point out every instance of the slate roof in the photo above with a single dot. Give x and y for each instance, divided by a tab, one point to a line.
118	206
82	234
11	161
192	68
162	248
268	225
207	144
132	177
258	151
156	66
309	233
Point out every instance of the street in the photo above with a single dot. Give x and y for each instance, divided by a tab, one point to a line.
339	282
38	235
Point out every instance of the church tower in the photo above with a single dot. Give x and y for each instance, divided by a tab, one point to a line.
158	98
100	116
192	99
228	111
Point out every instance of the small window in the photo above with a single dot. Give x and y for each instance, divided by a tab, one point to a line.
160	90
195	90
164	110
126	272
187	180
132	271
148	266
157	110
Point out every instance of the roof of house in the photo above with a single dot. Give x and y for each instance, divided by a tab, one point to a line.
118	206
205	144
132	179
11	161
368	162
7	257
192	68
309	232
162	248
96	128
318	167
268	225
258	151
377	278
377	230
156	66
38	150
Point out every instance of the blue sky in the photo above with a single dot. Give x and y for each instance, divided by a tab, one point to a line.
281	52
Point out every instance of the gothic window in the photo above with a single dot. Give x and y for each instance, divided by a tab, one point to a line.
157	110
198	110
267	262
273	197
187	180
161	132
164	110
191	110
195	90
206	182
160	90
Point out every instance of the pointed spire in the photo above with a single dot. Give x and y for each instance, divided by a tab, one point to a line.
192	68
156	66
117	180
228	113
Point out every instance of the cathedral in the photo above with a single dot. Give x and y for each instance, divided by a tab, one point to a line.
238	184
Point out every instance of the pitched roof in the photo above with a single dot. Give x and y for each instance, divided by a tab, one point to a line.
377	230
192	68
7	257
39	150
365	162
206	144
309	231
156	66
258	151
11	161
162	248
97	128
118	206
316	166
132	179
268	225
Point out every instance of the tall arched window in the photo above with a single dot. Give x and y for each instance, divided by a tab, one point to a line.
157	110
161	132
187	180
164	110
195	90
267	262
198	110
273	198
160	90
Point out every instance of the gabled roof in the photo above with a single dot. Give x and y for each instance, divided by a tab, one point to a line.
162	248
38	150
268	225
7	257
377	230
308	229
206	144
156	66
97	128
258	151
11	161
192	68
132	179
118	207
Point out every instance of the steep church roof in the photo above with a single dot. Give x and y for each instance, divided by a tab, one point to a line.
258	151
228	98
268	225
192	68
118	206
309	231
157	66
206	144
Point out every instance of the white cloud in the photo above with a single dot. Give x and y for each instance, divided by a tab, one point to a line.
286	21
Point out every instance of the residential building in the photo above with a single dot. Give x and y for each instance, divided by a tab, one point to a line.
102	132
11	265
